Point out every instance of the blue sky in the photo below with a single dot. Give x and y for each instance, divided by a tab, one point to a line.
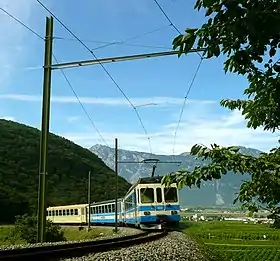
162	80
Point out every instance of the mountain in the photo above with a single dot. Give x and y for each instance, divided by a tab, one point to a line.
221	192
67	179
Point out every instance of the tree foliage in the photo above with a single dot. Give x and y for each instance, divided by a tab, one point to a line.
26	229
67	178
246	33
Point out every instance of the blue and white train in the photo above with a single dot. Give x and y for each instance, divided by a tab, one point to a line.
147	204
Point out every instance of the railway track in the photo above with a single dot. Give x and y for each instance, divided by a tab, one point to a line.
55	252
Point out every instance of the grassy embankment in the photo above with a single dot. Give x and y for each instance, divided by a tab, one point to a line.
70	233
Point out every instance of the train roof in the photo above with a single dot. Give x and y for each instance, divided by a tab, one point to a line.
104	202
69	206
146	180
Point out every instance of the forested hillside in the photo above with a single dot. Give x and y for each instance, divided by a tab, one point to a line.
68	167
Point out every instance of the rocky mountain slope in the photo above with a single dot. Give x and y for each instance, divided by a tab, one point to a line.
220	192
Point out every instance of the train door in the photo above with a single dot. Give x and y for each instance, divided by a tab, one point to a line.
159	201
135	202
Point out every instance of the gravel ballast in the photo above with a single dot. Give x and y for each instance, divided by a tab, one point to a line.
174	246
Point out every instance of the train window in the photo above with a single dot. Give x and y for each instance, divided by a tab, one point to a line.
113	208
170	195
99	209
53	213
106	208
71	212
91	210
63	212
82	211
76	212
147	195
56	212
67	212
94	210
109	208
49	213
159	195
60	212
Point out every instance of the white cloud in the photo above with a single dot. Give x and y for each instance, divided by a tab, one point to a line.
11	49
72	118
223	130
109	101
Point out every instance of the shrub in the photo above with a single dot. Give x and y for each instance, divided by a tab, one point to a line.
26	229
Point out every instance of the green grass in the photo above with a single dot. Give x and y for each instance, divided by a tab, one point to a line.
5	236
236	241
70	233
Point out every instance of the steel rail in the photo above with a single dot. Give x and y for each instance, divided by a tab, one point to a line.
54	252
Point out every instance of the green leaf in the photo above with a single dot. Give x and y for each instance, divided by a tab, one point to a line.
191	30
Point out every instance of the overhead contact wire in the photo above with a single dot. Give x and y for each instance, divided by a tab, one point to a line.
184	104
63	73
103	67
169	20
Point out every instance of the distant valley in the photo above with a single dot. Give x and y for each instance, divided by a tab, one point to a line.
221	193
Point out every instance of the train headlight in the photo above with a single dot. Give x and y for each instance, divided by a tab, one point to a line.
174	212
147	213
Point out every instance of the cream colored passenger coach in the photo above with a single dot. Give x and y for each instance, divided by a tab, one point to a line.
71	214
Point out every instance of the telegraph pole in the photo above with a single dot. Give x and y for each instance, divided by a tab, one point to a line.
89	179
41	225
116	170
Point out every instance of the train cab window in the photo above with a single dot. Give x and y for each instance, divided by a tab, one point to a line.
76	212
67	212
159	195
63	212
60	212
71	212
170	195
147	195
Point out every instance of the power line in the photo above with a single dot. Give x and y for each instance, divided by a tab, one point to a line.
184	104
63	73
192	82
123	42
131	38
13	17
81	104
103	67
169	20
118	43
166	16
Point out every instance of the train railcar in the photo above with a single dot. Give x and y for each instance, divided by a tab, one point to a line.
71	214
148	204
104	212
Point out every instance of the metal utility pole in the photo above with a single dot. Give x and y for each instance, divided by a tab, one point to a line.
116	170
89	179
41	225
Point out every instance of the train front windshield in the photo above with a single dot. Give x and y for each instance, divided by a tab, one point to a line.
147	195
170	195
